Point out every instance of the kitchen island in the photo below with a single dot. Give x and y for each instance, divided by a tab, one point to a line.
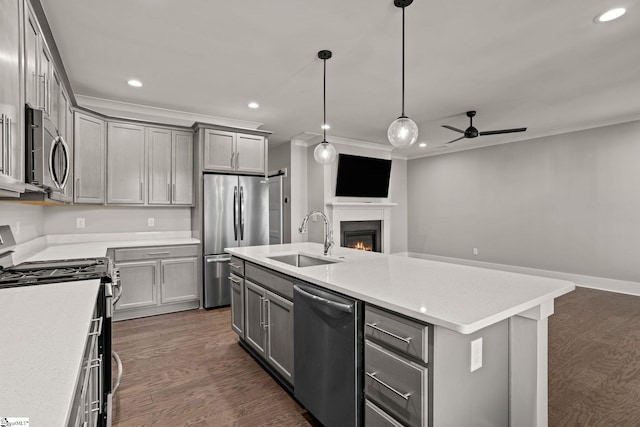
461	305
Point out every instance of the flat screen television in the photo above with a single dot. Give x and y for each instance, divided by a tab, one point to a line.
362	176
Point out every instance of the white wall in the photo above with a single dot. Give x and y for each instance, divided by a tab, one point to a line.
110	219
568	203
26	220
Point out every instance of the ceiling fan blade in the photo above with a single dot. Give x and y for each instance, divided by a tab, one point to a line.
497	132
452	128
457	139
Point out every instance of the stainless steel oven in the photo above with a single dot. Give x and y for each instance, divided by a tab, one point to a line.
47	156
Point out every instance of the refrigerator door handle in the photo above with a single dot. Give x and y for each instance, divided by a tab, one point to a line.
235	212
241	212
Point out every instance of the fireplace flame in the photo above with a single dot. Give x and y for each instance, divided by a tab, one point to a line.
361	246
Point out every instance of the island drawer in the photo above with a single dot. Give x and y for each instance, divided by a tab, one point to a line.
237	266
281	285
376	417
155	252
396	385
398	333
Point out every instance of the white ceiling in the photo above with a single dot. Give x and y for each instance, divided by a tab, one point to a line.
520	63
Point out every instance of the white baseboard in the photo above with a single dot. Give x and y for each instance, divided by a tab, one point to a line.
602	283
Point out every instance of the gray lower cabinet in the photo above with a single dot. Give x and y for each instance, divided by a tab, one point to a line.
237	304
156	280
269	328
89	159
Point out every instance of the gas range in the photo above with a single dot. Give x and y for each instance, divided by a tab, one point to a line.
55	271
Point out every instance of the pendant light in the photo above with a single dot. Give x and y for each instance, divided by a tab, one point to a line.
325	153
403	132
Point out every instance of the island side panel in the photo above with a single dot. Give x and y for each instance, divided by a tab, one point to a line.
465	398
528	358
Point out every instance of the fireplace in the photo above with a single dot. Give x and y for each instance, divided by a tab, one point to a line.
364	235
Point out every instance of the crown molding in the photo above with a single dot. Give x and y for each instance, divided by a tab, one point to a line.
131	111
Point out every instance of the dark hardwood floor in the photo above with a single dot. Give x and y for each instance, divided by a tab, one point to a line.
186	369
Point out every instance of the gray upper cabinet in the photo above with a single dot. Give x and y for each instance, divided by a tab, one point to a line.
233	152
11	104
170	176
159	150
182	168
125	164
46	71
54	96
219	150
31	54
250	152
89	159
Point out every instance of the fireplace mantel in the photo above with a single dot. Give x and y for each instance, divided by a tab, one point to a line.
362	211
361	204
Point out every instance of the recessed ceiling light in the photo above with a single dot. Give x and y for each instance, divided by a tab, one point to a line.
325	126
422	144
253	104
135	83
610	15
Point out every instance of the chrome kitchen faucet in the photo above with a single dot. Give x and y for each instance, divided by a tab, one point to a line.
328	232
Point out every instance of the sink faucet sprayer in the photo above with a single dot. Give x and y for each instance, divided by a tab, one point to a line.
328	233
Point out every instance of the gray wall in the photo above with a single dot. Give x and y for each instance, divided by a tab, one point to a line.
398	194
26	221
568	203
109	219
280	158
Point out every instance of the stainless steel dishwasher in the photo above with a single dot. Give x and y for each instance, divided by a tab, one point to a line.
328	355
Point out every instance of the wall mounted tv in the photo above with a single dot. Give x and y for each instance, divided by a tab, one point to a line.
362	176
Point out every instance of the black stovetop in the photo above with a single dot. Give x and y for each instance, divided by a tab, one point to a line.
54	271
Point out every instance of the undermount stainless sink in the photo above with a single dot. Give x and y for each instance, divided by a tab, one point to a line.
301	260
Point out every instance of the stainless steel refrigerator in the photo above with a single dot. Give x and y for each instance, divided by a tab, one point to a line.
236	213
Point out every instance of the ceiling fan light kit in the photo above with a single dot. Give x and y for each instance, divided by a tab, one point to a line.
471	132
325	153
403	132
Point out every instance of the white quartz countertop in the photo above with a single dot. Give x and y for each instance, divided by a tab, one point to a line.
462	298
43	331
99	248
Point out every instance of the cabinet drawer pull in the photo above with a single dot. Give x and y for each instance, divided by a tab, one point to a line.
98	329
373	376
235	265
159	253
391	334
234	280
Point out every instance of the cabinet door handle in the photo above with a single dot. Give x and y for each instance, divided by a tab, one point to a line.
375	326
141	190
234	280
265	311
168	191
173	192
232	154
237	161
2	134
373	376
261	313
7	168
163	274
44	91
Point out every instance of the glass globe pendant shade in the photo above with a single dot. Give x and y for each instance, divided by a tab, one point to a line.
403	132
325	153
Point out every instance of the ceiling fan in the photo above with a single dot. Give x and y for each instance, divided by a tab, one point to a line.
472	132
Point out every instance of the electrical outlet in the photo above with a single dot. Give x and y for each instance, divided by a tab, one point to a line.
151	222
475	251
79	222
476	354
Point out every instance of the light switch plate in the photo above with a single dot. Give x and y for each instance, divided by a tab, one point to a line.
476	354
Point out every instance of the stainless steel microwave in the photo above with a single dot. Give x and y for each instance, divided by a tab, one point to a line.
47	154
